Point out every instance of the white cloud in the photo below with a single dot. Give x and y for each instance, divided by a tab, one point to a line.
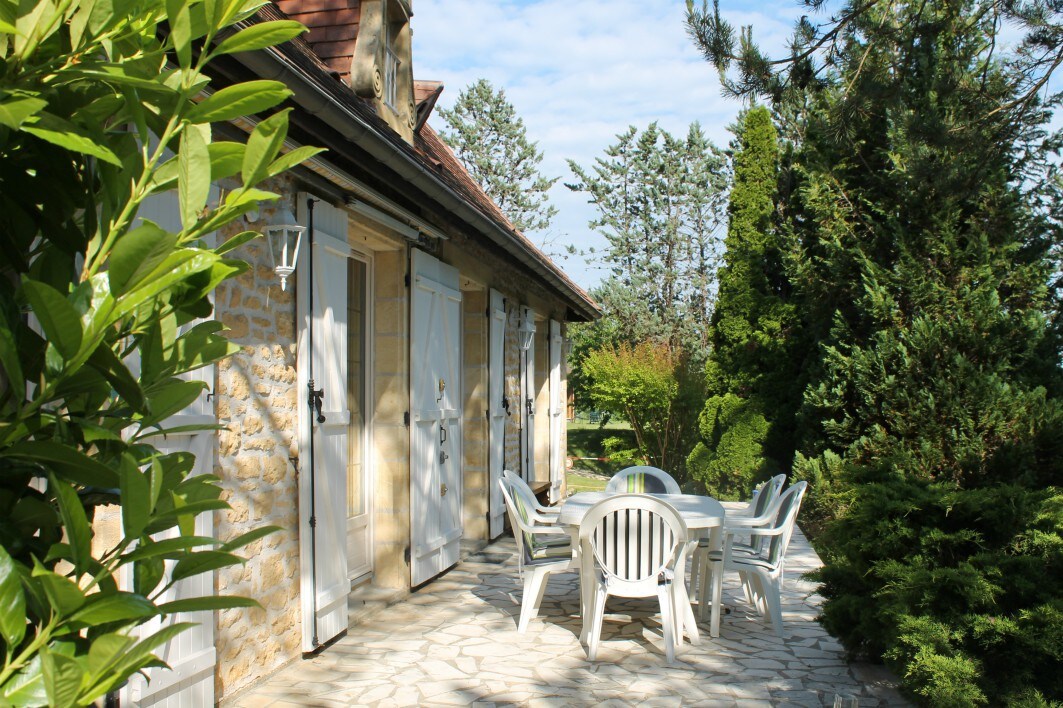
578	73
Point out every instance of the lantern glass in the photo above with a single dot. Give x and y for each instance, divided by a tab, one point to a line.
526	333
285	236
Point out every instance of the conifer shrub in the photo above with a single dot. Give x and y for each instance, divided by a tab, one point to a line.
730	457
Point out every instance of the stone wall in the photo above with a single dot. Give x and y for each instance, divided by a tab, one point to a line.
512	387
256	402
475	497
391	437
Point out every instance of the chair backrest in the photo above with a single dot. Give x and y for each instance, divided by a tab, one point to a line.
643	480
763	498
766	493
521	487
519	519
789	505
633	537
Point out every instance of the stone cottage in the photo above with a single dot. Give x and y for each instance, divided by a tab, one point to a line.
416	352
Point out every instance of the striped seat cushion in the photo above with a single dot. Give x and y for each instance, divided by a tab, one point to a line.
640	483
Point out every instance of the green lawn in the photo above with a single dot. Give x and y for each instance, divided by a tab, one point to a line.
586	440
579	483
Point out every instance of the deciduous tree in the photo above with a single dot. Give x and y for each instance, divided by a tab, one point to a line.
95	97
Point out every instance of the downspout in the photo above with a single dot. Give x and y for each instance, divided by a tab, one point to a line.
313	400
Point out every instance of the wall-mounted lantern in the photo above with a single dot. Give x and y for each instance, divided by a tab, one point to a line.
526	331
285	235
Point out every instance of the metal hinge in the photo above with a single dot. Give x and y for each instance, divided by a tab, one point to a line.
313	522
406	555
406	419
407	280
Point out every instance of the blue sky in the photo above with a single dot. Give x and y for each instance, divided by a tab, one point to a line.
578	73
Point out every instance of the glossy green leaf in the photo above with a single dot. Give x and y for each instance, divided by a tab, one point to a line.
26	688
75	524
62	679
180	22
207	604
12	601
200	346
250	537
236	241
114	607
106	651
148	573
193	174
290	159
17	107
263	145
168	548
226	157
239	100
68	136
201	562
104	361
59	320
136	510
65	461
134	658
171	398
260	36
136	254
63	594
9	354
168	519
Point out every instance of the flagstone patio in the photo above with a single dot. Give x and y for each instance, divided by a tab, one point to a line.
454	642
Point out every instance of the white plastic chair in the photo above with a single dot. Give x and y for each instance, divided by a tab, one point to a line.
643	480
762	571
538	512
541	550
759	511
638	546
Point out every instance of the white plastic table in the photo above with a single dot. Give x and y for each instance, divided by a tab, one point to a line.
702	515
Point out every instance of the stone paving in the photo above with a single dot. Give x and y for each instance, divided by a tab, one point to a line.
454	642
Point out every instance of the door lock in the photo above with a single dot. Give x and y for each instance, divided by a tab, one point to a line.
442	490
443	456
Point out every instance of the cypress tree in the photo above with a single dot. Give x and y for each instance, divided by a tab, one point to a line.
747	425
931	425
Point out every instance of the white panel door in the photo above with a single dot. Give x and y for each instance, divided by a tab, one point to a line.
323	479
435	418
528	404
191	655
557	452
496	412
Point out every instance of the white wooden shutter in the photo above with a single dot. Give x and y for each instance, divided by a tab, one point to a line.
191	655
496	371
323	552
557	452
435	417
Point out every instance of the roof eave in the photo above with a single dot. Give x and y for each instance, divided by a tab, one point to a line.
310	96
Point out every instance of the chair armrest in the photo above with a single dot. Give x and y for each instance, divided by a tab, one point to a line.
547	531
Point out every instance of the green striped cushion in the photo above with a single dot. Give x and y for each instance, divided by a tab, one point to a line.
642	483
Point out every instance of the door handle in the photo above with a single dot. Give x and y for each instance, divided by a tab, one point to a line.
442	434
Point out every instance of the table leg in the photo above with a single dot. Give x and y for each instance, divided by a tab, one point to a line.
717	576
586	589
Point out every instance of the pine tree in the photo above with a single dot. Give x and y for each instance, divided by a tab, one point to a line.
752	381
930	429
659	201
491	141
